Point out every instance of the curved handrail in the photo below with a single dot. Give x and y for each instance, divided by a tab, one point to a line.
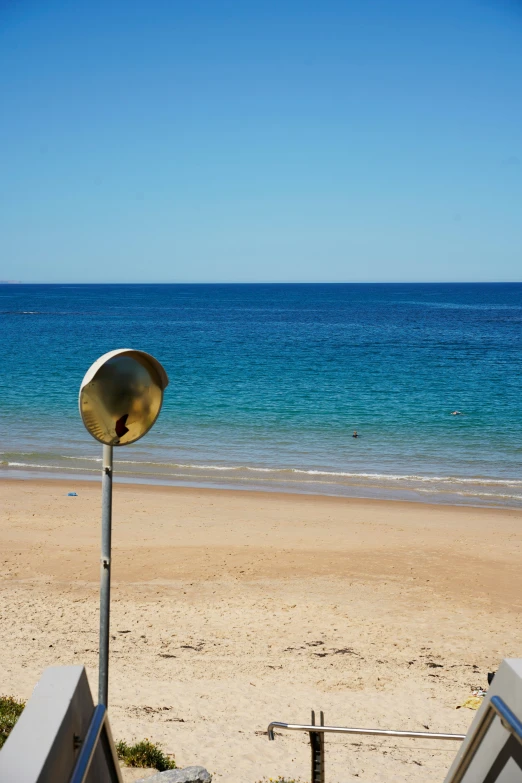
98	731
85	756
509	720
372	732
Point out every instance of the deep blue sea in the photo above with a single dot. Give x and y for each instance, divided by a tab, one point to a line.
268	383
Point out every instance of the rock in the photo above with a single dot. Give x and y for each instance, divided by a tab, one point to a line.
186	775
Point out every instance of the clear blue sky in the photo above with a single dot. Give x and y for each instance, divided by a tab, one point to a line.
272	141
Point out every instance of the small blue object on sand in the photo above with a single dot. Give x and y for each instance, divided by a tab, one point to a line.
72	494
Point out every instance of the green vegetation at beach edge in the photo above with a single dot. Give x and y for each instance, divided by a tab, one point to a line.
10	711
141	754
144	754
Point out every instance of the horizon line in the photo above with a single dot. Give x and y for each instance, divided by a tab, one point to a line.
264	282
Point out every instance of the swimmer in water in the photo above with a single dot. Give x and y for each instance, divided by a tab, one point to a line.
456	413
355	434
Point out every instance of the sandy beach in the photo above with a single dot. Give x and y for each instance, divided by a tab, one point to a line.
232	609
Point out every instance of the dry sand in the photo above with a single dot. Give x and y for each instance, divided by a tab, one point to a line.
231	609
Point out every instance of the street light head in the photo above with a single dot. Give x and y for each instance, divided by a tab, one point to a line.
121	396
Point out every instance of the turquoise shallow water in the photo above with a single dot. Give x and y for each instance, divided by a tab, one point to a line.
268	383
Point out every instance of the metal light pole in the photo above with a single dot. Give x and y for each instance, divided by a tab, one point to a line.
105	576
120	399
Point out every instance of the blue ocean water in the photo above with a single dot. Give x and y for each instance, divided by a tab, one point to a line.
268	383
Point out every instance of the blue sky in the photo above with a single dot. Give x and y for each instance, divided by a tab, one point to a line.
270	141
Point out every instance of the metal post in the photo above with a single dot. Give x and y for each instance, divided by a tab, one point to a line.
105	578
317	751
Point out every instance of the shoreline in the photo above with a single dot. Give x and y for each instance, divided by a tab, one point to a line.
150	486
407	495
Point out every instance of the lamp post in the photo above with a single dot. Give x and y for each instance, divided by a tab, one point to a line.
120	399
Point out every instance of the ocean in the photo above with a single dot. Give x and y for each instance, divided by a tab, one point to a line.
269	382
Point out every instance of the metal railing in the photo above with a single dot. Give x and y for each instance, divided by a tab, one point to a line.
98	733
371	732
317	733
512	749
